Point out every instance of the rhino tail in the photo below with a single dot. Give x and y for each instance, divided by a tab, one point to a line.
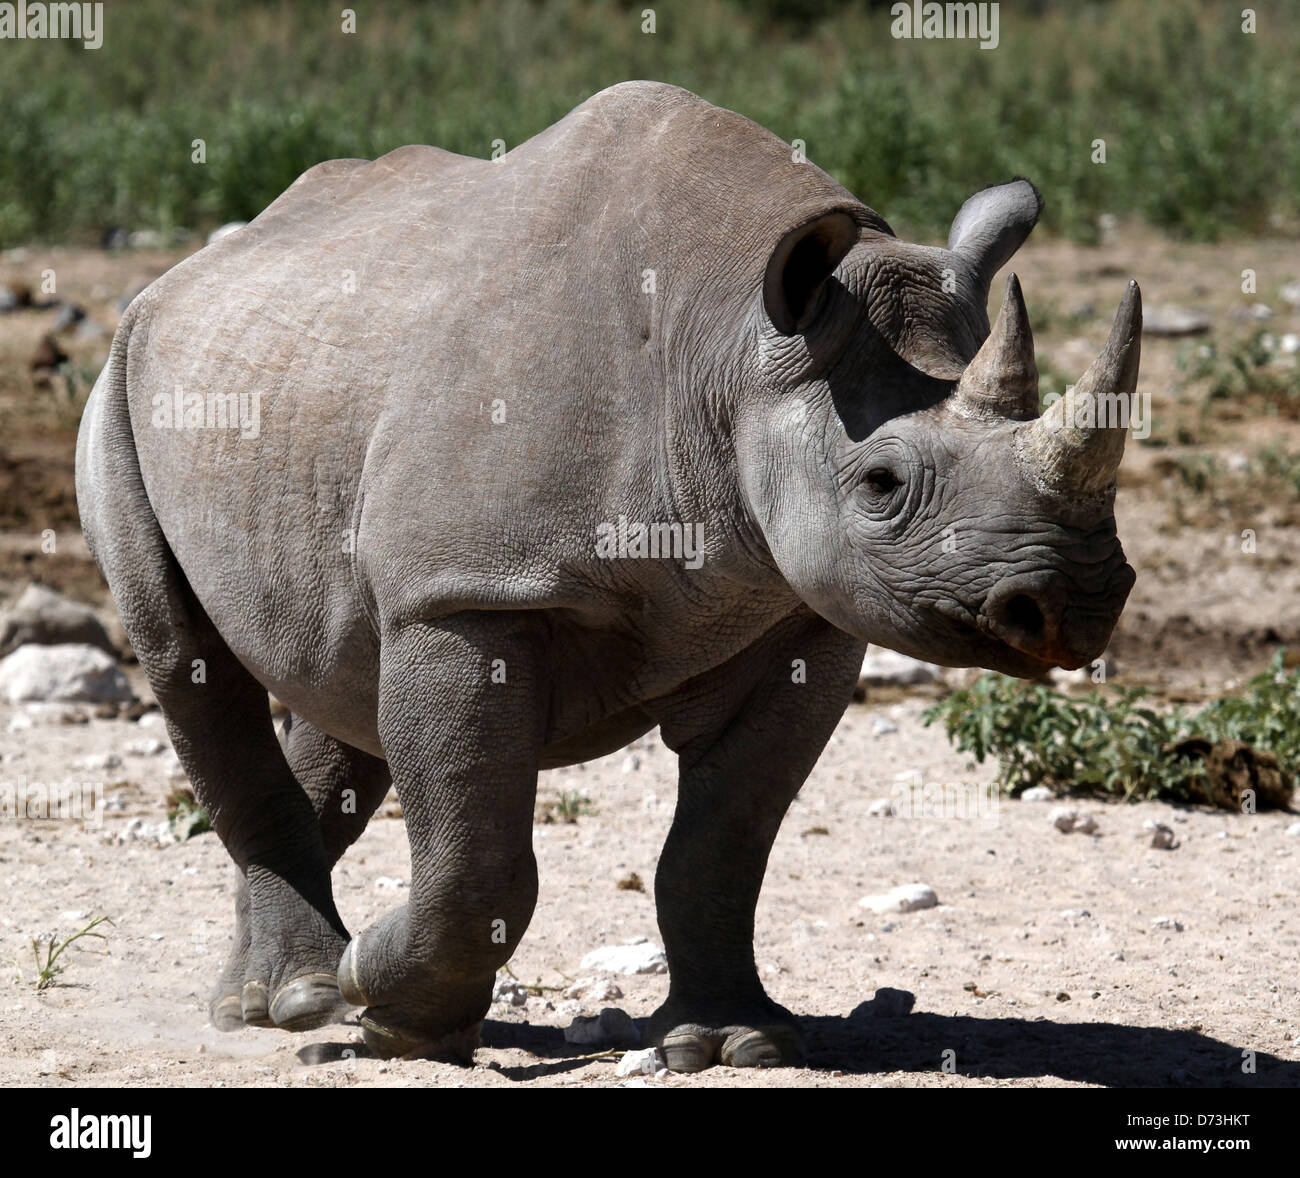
117	518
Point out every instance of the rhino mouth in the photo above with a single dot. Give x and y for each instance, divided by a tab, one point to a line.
974	641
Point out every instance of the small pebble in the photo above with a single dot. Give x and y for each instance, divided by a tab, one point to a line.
1162	836
646	1062
904	898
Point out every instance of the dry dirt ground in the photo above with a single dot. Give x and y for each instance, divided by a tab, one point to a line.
1052	959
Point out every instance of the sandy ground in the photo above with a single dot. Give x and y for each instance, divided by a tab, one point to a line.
988	971
1046	962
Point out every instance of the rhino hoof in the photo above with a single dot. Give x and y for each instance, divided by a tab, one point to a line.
348	983
388	1041
253	1004
227	1013
689	1052
766	1047
308	1002
762	1047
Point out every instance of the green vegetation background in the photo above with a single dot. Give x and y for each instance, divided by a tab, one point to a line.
1201	122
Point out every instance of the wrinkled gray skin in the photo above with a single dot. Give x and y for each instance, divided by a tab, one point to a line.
370	554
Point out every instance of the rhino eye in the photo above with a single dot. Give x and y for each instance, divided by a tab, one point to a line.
882	480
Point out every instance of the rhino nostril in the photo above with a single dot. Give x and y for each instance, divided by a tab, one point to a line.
1023	613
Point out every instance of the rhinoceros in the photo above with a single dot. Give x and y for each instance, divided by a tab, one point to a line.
485	467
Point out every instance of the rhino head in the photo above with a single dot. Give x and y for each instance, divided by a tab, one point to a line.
895	460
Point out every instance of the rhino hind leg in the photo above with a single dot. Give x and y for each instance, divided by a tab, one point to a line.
292	934
220	725
223	734
345	786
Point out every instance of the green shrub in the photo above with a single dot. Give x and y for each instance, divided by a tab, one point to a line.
1115	743
1201	122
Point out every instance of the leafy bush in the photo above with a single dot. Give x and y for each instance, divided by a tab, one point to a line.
1200	120
1117	744
1249	370
185	815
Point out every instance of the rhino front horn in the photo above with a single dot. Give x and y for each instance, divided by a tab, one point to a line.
1076	446
1002	379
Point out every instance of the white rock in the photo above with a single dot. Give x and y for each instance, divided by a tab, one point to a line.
1291	293
146	239
152	722
172	767
631	763
1063	680
627	959
904	898
594	990
646	1062
882	808
1289	344
1070	821
1293	831
99	763
1174	321
387	883
137	830
888	668
146	748
67	672
45	618
1064	818
882	727
612	1027
1038	793
1167	922
42	712
509	992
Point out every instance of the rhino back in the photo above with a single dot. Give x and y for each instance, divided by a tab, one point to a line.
458	375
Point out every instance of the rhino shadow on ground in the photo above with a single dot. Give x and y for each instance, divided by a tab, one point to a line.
1109	1054
876	1038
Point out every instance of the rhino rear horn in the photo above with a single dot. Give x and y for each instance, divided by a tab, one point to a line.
802	261
1076	446
992	225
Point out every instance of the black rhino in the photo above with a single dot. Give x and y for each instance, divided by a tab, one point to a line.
367	452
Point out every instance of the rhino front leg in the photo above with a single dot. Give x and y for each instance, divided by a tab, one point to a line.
746	739
460	718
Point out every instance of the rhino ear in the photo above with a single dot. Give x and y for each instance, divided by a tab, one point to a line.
801	262
993	224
